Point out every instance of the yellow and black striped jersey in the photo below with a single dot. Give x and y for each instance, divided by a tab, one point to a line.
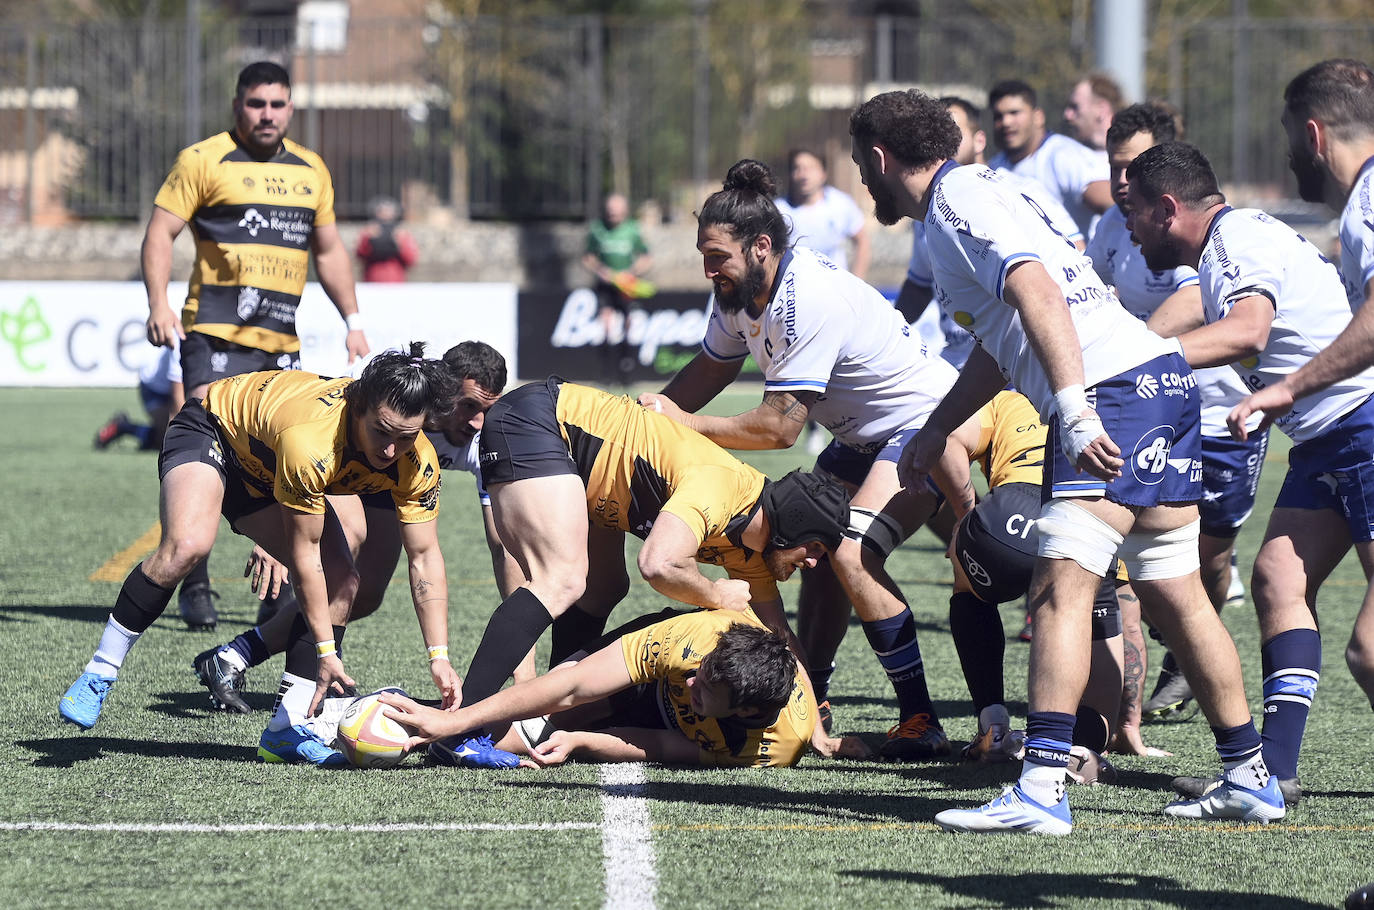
638	463
252	222
666	652
1011	443
289	435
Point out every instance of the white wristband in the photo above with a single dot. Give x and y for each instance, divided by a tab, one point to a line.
354	321
1070	402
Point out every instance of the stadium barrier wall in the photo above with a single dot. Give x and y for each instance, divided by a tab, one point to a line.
91	333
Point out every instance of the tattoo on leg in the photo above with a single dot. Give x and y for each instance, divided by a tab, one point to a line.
1133	677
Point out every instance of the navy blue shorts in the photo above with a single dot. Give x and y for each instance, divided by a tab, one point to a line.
852	465
520	436
1336	471
1152	413
1230	480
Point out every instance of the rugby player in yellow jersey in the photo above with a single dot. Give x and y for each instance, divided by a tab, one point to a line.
265	449
713	687
571	469
258	205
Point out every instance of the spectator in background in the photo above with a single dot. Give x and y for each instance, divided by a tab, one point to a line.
159	387
386	249
821	217
1095	99
618	258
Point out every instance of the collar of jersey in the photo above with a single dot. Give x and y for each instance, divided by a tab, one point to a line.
949	165
1368	163
281	148
1207	238
777	280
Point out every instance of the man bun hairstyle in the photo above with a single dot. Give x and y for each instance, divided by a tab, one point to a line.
754	664
744	206
1339	93
264	72
1178	169
803	507
915	127
408	383
480	362
1146	117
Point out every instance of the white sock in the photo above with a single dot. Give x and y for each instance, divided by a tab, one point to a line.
114	646
1043	784
293	702
1252	773
232	657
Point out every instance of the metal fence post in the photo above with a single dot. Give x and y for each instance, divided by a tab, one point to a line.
195	73
30	127
701	91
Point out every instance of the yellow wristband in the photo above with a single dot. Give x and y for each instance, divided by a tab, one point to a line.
438	652
325	648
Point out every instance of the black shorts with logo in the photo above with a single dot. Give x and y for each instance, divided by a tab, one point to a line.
520	437
996	547
205	358
193	436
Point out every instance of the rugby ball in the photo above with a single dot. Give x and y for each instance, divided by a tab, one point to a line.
368	737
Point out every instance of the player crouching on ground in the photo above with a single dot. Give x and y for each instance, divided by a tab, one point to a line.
264	449
714	687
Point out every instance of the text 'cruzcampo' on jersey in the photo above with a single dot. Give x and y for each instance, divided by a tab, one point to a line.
1248	253
978	228
637	464
252	222
665	653
1357	238
289	438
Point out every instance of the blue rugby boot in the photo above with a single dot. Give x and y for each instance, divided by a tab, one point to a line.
1012	812
298	745
472	752
82	702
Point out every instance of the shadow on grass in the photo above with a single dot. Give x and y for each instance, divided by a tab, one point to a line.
95	613
1052	889
67	751
195	705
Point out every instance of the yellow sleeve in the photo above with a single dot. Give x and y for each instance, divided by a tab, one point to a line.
324	213
299	481
707	498
647	653
184	189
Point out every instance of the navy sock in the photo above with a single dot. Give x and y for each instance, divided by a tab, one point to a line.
1090	729
251	647
820	680
1292	663
981	642
894	641
513	629
1049	735
1237	744
301	659
140	602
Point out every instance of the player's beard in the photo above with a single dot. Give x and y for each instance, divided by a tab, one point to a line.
742	293
884	203
1166	254
1311	178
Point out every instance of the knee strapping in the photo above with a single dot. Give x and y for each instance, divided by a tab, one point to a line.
874	530
1155	556
1069	531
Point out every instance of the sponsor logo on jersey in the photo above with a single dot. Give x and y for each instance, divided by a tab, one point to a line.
975	571
963	318
252	222
249	298
219	361
302	188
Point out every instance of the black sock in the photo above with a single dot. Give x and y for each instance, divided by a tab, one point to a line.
199	575
512	630
1090	729
976	627
140	602
572	632
301	657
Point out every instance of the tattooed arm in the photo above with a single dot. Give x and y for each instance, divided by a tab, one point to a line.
1128	740
774	424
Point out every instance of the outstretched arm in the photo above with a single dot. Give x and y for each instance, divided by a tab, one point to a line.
429	593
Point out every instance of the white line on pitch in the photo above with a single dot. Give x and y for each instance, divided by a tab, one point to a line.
189	828
627	847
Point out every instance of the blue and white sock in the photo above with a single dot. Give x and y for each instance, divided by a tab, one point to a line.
1049	736
1292	664
293	702
115	644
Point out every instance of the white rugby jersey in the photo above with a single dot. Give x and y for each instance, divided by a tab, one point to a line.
1120	264
1357	237
1248	253
455	458
826	331
1065	167
977	228
824	226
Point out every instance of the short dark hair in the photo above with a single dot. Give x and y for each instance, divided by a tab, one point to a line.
1013	87
803	150
407	382
915	127
1339	93
972	113
478	361
264	72
1180	170
754	664
745	206
1145	117
1106	88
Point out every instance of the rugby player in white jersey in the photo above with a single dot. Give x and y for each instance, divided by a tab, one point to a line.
821	217
1073	173
1126	473
1270	302
1230	467
919	288
833	349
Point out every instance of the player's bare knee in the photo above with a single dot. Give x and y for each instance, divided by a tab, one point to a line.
1359	658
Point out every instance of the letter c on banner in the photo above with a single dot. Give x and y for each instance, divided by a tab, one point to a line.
71	346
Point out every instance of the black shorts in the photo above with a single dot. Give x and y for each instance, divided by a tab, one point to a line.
996	547
193	436
520	438
205	358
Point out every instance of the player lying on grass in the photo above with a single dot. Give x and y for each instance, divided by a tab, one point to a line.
714	687
571	470
370	525
264	449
